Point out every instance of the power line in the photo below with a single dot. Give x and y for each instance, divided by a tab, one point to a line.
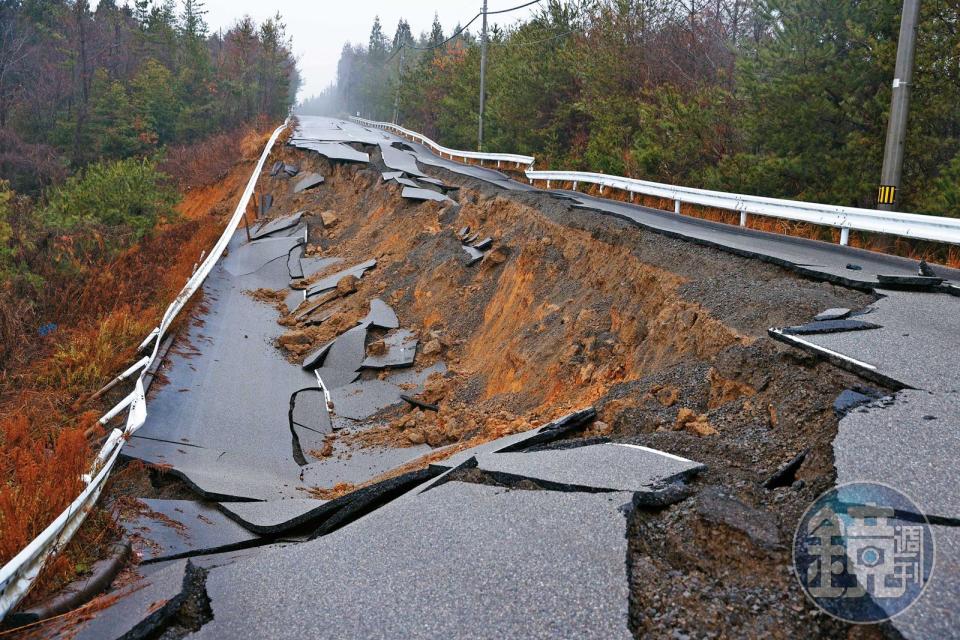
459	32
522	6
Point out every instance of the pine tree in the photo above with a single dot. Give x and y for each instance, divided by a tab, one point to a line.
377	48
436	32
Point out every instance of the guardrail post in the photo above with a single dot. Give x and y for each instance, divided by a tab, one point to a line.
631	196
601	189
574	185
676	206
743	218
548	184
845	236
498	164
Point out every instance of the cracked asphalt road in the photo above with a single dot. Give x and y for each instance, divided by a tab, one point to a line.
478	545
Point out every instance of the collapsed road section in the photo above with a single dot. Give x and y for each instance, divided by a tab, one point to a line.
421	399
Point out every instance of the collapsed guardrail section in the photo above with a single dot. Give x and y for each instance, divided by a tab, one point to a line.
518	161
19	574
906	225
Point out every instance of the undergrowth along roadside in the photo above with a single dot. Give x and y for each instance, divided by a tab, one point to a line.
102	313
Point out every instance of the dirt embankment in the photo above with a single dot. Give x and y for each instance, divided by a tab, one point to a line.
667	339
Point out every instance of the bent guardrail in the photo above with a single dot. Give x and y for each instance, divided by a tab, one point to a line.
905	225
521	162
19	574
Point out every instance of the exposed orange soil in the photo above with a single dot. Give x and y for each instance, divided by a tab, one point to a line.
552	314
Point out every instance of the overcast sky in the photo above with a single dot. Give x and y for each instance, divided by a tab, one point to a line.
320	27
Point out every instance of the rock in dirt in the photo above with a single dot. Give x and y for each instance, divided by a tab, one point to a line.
435	389
329	219
326	450
377	348
497	256
347	285
415	436
832	314
688	420
294	339
432	348
667	396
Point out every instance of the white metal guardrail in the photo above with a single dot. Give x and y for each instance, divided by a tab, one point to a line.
19	574
519	161
905	225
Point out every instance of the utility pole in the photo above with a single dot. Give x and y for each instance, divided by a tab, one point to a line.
899	108
396	100
483	75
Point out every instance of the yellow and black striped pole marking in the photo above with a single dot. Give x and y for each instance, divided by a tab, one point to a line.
886	195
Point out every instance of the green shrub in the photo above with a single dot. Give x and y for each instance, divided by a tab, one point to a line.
943	199
126	199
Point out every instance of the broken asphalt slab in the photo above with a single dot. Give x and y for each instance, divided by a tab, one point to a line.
217	475
142	608
341	363
525	439
309	422
399	160
484	244
333	150
412	193
910	282
269	227
364	398
473	255
916	346
294	266
406	182
935	613
358	465
308	181
251	257
830	326
169	529
832	314
605	467
311	265
381	315
330	282
566	580
276	516
401	350
910	442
